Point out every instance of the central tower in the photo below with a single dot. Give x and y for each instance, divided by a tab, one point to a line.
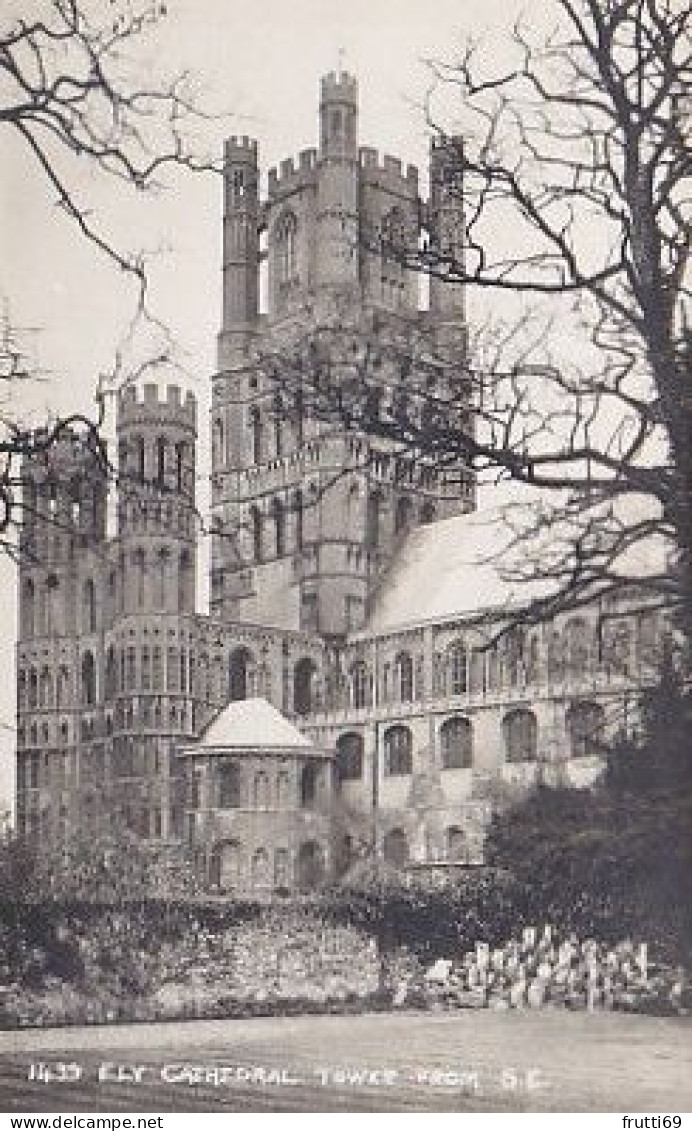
308	516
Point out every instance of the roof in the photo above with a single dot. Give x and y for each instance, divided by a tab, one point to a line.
462	567
252	723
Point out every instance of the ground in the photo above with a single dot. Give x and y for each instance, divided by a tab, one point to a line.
485	1061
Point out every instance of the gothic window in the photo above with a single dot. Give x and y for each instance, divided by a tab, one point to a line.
373	520
521	735
89	606
256	430
160	461
29	626
286	250
157	670
217	447
111	676
88	680
238	674
185	592
298	509
403	668
279	521
395	848
180	468
173	670
131	670
398	751
256	529
308	785
140	562
62	690
228	784
183	670
145	676
278	418
456	743
283	788
349	757
360	685
49	617
260	791
303	691
403	514
585	721
139	457
46	688
457	660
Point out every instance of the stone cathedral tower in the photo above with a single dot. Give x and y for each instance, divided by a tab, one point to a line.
306	518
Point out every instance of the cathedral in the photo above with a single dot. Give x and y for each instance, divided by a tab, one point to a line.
352	693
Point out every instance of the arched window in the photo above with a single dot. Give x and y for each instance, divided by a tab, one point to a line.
585	723
349	757
521	735
29	618
185	587
238	674
373	520
260	791
180	450
308	785
145	669
398	751
456	846
140	458
46	688
49	612
226	864
261	875
228	776
298	509
88	680
282	869
456	743
255	418
286	249
403	514
62	688
111	676
256	528
310	865
279	521
217	442
457	668
303	691
395	848
283	789
403	669
161	461
360	685
89	606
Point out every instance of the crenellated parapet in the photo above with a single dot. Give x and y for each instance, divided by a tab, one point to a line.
291	177
157	405
387	172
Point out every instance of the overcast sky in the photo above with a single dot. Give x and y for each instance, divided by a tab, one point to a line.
259	65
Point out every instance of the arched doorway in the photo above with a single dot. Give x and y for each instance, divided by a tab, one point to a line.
225	865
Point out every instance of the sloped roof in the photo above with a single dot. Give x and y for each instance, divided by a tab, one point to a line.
252	723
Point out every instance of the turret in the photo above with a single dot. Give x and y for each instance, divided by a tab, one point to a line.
156	499
447	227
240	246
337	194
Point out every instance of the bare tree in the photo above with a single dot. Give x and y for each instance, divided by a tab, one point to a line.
73	94
570	186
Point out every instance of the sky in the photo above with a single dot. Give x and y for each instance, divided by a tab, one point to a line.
258	67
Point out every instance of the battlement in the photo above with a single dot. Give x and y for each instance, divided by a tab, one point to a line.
70	451
340	87
288	177
387	170
151	403
240	149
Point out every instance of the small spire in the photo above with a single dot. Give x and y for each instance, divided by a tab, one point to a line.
341	56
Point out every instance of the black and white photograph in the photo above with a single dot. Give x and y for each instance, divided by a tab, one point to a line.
345	558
